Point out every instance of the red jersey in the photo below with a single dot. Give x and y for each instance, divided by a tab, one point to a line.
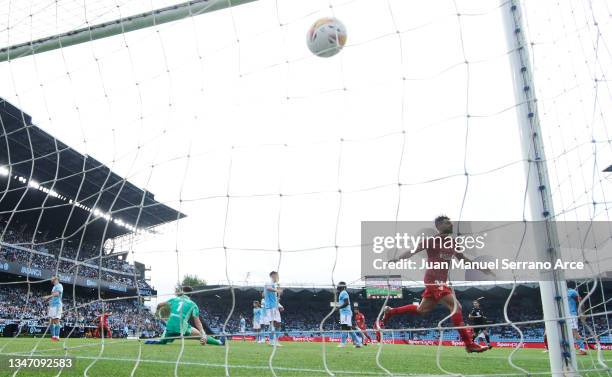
360	320
440	251
103	319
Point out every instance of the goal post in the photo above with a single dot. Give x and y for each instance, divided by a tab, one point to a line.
553	287
116	27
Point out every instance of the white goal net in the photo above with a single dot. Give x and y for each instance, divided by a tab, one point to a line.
142	142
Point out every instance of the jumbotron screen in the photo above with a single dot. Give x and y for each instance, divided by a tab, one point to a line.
381	286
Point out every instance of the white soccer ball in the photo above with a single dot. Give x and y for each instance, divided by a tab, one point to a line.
326	37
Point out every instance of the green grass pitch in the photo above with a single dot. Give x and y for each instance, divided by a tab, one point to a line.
119	358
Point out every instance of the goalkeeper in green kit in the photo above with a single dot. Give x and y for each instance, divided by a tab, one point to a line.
182	310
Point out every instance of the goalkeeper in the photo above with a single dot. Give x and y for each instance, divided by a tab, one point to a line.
182	310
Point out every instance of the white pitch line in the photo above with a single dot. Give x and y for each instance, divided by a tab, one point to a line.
214	365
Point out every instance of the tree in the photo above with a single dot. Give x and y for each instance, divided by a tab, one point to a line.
192	281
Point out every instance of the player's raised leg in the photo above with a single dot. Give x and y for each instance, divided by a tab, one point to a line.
425	306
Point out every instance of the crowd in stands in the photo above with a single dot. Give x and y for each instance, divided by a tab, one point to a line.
306	313
300	314
128	316
86	260
299	317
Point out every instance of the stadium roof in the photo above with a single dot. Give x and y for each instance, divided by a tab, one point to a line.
38	169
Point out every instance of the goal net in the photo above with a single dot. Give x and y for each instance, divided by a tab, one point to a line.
147	146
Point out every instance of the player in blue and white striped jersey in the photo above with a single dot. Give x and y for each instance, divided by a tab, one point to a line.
573	300
55	307
257	321
272	307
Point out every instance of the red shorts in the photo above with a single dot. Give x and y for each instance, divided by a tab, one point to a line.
436	291
362	327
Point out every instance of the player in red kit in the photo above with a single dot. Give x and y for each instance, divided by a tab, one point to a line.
440	249
103	326
379	324
361	325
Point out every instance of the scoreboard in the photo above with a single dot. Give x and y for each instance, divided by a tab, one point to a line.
378	287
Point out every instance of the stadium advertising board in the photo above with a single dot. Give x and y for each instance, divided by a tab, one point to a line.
447	343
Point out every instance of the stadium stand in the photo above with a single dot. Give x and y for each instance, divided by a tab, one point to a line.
59	212
17	308
305	308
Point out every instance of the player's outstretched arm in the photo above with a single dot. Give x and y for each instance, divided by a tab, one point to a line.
278	290
198	325
54	293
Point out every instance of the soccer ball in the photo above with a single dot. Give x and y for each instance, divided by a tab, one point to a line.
326	37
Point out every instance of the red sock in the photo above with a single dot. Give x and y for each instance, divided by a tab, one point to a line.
406	309
545	342
465	333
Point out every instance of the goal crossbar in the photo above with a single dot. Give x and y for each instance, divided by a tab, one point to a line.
116	27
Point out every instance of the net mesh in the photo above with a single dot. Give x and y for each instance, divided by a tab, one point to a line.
275	156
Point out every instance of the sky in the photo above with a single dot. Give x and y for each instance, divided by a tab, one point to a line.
232	103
